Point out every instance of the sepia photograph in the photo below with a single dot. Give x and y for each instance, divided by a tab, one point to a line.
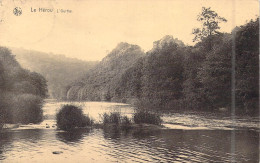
102	81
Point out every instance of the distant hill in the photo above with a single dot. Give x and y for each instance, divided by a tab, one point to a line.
58	70
99	83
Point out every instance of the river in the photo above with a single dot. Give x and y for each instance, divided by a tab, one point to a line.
186	137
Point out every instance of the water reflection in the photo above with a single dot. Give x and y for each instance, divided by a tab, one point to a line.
72	137
19	141
181	145
134	145
144	134
112	132
5	140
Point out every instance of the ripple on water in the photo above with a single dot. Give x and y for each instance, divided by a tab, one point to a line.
102	145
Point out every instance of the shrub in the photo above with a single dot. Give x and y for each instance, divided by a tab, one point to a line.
105	118
114	117
143	116
70	117
126	122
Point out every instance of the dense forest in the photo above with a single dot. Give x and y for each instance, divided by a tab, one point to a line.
178	77
58	70
21	91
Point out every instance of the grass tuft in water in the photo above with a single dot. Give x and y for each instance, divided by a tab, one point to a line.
144	116
114	118
117	119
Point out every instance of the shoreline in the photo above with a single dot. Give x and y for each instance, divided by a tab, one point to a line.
141	126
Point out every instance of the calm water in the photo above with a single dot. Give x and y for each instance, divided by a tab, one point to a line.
188	138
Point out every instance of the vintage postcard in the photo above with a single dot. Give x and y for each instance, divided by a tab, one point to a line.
129	81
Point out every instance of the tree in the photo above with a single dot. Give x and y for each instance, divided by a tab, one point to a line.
193	62
247	67
215	75
163	74
40	83
210	24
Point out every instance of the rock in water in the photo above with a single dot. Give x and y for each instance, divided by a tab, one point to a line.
57	152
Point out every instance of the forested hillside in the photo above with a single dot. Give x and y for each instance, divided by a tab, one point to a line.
100	83
21	91
174	76
155	77
199	77
58	70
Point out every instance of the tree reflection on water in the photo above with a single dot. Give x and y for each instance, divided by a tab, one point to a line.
72	137
177	145
9	137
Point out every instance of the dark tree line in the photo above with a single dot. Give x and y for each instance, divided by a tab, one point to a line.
21	91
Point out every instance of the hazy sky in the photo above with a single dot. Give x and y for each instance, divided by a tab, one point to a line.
95	27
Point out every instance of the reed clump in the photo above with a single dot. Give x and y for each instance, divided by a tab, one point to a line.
144	116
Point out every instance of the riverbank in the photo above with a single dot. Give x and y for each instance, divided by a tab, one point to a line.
145	127
10	126
189	120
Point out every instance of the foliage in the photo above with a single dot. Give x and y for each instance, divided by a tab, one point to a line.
125	121
210	24
114	117
40	83
25	108
71	117
130	84
21	91
156	78
2	111
117	119
247	67
215	76
163	72
145	116
141	116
